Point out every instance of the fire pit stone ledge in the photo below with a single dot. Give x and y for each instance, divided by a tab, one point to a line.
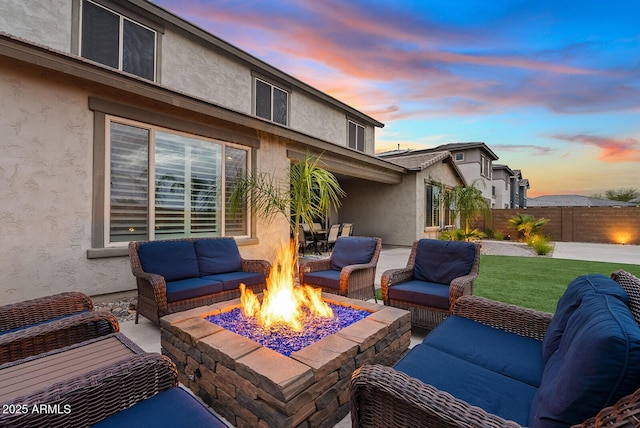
251	385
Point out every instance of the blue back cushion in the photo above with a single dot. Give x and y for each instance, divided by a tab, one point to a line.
172	259
597	361
219	255
352	250
443	261
578	289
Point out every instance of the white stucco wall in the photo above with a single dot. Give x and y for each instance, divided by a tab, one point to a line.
44	22
191	68
317	119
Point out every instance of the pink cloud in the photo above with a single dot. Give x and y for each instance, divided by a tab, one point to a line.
611	149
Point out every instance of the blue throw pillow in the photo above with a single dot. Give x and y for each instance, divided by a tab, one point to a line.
597	362
219	255
172	259
443	261
352	250
577	290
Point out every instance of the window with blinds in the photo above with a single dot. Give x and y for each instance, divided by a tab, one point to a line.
190	180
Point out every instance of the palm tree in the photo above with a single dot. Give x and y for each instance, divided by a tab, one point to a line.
308	193
527	225
467	202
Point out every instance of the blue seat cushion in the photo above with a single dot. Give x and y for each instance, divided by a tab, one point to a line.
219	255
323	278
421	293
506	353
173	408
596	363
172	259
191	288
352	250
577	290
232	280
442	261
491	391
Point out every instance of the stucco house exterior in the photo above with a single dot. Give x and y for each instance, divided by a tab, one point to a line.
420	201
108	139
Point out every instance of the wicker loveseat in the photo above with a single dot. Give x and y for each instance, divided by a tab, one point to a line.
492	364
180	274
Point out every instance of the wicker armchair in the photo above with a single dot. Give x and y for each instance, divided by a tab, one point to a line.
454	265
40	325
350	271
152	287
384	397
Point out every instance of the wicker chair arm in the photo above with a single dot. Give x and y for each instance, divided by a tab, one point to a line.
313	266
56	334
392	277
625	413
512	318
35	311
384	397
97	395
256	266
461	286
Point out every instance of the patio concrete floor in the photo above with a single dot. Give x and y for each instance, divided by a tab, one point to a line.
147	335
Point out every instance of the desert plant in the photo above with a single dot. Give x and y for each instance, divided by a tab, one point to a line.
498	236
308	193
467	202
527	225
462	235
540	244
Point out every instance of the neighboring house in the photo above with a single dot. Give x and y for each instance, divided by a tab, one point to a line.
108	139
519	187
475	160
419	208
575	201
501	186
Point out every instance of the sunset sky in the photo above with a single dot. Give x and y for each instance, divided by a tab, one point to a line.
552	87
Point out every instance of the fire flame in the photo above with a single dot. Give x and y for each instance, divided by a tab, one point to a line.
283	300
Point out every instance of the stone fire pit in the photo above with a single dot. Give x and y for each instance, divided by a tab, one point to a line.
251	385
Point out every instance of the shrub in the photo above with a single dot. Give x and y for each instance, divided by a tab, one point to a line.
498	236
540	244
527	225
460	235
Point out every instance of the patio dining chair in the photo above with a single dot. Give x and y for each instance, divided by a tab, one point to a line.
437	274
350	271
331	238
347	229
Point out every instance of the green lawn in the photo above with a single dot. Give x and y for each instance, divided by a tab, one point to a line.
535	282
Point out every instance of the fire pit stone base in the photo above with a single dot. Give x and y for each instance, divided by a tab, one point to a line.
251	385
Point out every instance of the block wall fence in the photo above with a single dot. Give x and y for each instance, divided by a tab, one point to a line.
608	225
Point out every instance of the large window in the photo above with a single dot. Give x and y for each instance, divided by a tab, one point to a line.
165	185
271	102
114	40
356	136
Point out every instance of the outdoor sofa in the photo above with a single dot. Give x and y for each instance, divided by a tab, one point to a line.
491	364
139	391
40	325
180	274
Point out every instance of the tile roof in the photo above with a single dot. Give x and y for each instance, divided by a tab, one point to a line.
574	201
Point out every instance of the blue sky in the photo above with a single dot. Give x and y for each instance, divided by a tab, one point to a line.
553	86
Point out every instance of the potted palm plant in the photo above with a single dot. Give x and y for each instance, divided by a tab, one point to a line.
309	192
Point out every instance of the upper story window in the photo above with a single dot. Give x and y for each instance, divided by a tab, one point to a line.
116	41
459	157
272	102
485	166
356	136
